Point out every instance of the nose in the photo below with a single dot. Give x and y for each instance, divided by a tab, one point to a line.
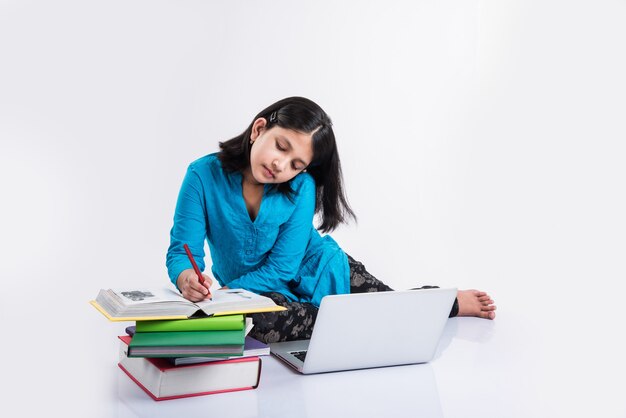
277	165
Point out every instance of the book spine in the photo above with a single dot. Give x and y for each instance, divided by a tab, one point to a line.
188	338
228	352
223	323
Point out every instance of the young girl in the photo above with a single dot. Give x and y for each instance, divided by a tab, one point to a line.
254	203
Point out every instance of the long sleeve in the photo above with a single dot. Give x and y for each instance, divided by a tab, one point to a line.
190	227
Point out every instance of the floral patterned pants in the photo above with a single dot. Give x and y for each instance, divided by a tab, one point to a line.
296	323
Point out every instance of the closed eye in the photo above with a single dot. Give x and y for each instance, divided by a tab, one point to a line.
280	147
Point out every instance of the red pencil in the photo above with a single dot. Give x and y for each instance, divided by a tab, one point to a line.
195	267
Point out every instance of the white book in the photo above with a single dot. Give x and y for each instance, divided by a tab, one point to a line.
145	304
162	380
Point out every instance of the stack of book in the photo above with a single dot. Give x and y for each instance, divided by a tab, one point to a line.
171	352
219	336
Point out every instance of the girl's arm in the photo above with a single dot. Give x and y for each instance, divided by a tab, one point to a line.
283	261
190	227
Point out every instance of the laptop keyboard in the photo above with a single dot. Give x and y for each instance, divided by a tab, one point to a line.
300	355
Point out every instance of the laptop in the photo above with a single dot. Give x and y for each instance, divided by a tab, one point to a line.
365	330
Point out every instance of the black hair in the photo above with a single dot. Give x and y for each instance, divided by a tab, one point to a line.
305	116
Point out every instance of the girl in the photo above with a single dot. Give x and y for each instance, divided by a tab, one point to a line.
254	203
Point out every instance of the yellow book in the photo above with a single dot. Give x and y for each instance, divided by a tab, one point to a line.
158	304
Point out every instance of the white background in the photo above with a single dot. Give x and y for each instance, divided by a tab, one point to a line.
482	142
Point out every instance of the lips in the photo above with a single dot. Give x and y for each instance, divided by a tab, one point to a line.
268	173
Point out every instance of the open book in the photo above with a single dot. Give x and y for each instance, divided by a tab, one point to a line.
137	305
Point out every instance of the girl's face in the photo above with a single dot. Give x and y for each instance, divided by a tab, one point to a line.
277	154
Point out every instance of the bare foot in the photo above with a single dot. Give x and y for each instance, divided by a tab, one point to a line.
475	303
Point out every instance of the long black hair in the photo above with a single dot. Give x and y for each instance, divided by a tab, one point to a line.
305	116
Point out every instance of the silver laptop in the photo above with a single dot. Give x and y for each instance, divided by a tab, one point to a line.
364	330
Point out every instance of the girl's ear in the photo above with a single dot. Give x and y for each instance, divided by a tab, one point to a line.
257	128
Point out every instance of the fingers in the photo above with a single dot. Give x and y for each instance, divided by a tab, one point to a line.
195	291
190	285
207	280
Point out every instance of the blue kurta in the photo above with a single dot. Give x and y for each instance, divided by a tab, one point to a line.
280	251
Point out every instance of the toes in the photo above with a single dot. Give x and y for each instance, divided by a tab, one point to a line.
487	315
488	308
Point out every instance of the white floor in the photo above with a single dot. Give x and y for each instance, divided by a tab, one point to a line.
520	365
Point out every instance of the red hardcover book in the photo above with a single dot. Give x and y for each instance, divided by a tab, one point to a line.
161	380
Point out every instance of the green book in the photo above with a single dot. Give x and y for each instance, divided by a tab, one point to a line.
187	344
214	323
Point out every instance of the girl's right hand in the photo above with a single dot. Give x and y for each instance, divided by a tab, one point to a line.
190	286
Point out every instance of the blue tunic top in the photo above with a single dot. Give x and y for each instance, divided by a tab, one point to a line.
280	251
